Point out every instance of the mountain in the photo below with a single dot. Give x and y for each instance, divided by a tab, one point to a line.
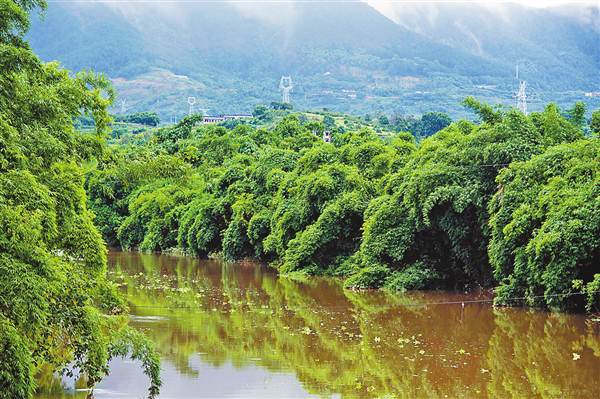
558	41
346	56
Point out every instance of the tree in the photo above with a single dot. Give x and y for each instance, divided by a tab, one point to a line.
392	212
281	106
144	118
433	213
56	306
431	123
595	123
328	122
545	224
260	112
484	111
577	114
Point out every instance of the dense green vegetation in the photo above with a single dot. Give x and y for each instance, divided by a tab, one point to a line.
402	203
56	307
448	211
142	118
137	128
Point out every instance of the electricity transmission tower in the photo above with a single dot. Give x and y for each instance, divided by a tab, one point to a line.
522	97
286	85
123	106
191	101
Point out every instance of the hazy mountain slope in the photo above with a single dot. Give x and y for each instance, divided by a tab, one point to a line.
543	41
89	36
348	57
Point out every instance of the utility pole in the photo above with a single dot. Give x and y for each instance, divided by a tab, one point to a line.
286	85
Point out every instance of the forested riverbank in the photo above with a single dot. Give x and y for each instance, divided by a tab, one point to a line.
511	201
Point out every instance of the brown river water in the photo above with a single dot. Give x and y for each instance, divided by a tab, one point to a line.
237	330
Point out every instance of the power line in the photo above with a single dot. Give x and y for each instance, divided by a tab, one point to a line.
458	302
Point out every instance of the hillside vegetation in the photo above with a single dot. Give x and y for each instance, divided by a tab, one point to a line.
351	58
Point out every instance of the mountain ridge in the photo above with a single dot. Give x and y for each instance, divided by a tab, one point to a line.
348	57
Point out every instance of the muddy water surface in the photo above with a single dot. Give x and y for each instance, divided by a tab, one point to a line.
239	331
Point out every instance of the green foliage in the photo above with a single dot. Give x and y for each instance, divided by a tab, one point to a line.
592	291
368	277
413	277
577	114
433	122
168	137
155	210
595	123
136	346
425	126
382	212
281	106
16	378
143	118
328	121
56	307
545	224
483	111
434	210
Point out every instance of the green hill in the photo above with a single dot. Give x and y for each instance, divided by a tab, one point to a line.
346	57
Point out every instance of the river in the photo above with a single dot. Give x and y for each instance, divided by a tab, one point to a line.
237	330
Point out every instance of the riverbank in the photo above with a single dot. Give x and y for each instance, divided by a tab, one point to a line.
462	208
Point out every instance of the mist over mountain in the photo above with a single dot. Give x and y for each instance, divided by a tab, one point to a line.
344	56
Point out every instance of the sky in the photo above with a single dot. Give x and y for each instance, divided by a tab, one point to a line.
394	10
531	3
285	11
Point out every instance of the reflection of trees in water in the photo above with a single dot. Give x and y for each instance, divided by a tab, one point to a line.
357	344
531	354
52	387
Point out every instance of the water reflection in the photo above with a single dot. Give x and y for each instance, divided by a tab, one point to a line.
237	330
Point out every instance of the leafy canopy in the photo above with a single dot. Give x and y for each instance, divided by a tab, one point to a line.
56	307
